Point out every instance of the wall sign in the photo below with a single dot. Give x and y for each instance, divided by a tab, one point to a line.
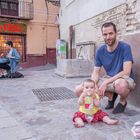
12	28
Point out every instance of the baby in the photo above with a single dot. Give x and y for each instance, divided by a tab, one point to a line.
89	110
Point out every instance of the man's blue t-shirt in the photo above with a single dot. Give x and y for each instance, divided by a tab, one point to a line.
113	61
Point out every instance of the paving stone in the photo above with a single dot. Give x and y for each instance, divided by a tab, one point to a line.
52	120
0	107
3	113
15	133
7	122
31	139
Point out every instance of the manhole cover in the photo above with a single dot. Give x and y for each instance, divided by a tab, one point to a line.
57	93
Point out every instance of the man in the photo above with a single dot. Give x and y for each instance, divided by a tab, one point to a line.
116	58
12	59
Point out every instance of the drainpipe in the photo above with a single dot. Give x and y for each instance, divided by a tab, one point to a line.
71	39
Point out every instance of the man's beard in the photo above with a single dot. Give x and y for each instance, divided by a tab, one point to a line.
110	42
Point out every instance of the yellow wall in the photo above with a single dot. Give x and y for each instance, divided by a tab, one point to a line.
42	31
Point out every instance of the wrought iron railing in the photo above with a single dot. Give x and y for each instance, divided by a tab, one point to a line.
54	2
26	10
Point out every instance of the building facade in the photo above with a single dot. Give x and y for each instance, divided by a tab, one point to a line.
33	28
85	23
81	27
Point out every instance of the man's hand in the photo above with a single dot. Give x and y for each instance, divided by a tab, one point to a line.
98	91
102	88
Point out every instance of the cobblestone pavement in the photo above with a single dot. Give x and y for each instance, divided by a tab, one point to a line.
24	117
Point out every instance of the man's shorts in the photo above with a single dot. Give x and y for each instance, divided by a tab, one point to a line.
95	118
111	87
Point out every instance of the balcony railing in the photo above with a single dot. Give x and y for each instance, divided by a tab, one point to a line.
17	10
26	10
54	2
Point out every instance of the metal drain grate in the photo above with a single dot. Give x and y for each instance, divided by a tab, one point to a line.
57	93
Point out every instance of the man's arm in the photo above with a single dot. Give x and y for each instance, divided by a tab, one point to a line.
95	74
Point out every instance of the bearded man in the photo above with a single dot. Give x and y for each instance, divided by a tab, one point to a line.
116	58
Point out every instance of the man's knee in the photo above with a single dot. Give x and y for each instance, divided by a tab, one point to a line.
121	86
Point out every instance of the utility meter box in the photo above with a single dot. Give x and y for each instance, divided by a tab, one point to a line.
61	49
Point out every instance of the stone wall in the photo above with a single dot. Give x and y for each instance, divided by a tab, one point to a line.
73	12
90	30
134	41
74	68
85	50
133	16
125	16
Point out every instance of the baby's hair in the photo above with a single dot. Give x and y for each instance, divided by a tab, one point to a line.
89	80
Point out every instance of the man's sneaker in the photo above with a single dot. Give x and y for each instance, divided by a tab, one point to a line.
119	108
110	104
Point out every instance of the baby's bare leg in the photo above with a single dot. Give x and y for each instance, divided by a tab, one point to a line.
107	120
78	122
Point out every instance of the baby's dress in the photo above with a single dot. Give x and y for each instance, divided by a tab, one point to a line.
89	108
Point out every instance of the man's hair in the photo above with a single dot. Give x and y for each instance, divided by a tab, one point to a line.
108	24
10	43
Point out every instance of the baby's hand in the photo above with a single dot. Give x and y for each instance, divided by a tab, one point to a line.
97	103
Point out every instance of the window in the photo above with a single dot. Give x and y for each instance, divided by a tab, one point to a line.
4	5
18	42
13	6
9	7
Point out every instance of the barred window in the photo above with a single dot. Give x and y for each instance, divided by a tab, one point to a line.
4	5
13	6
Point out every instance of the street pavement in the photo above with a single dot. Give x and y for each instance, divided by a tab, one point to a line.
24	117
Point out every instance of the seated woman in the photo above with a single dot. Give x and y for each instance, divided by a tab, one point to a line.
12	59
